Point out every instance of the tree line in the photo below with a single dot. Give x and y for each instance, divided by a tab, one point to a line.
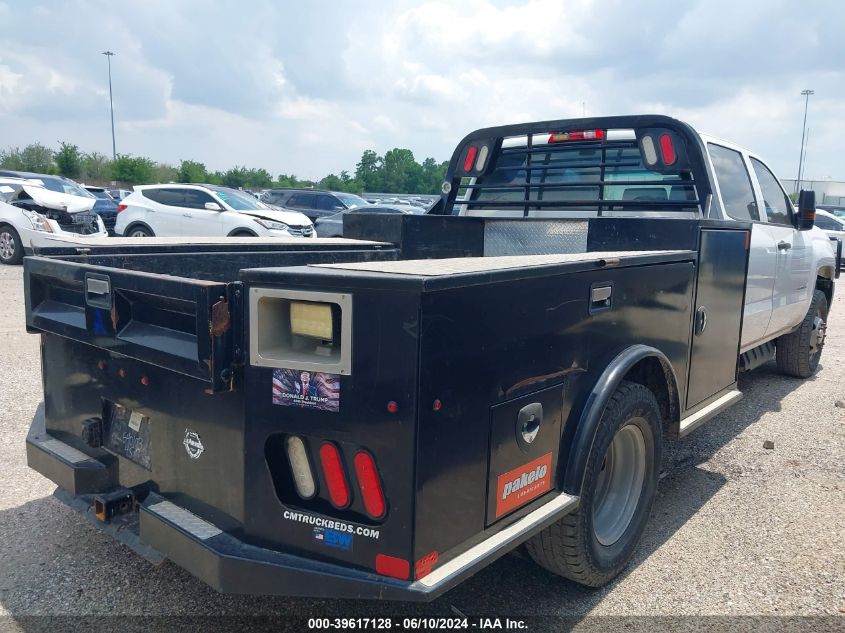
395	172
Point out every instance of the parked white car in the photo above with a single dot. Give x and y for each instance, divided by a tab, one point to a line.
31	214
204	210
830	224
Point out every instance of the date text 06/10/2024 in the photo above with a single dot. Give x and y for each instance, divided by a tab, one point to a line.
417	624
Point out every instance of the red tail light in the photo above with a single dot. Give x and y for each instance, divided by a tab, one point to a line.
471	152
121	207
334	475
369	484
393	567
576	135
667	149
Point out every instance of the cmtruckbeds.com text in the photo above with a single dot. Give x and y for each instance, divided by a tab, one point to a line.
331	524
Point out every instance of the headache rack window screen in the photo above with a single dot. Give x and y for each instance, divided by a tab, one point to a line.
532	177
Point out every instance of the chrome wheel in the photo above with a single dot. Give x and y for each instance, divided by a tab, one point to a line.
620	483
7	245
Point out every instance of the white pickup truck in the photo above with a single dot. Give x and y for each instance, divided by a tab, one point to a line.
789	286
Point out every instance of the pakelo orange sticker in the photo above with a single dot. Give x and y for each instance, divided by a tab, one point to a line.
522	484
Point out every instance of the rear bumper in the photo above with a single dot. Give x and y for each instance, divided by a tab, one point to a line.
161	529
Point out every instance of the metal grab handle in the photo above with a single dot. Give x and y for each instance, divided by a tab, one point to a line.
700	321
784	246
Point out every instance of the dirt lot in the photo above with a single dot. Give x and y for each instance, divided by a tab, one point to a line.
737	530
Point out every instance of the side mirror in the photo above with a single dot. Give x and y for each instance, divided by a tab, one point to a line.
213	206
806	210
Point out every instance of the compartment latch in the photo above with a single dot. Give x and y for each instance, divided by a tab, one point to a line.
528	422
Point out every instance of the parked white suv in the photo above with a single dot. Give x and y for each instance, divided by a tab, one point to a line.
31	214
177	210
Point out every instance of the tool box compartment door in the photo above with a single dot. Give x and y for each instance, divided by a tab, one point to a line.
717	321
524	442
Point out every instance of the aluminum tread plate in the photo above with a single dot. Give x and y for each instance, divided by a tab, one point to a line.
188	521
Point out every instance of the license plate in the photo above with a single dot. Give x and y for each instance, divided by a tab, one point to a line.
82	218
128	434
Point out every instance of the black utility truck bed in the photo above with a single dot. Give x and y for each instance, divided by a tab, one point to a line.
381	418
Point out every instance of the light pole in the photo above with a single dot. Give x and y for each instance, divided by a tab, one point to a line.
806	94
109	55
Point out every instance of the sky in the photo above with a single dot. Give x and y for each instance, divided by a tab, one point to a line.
304	87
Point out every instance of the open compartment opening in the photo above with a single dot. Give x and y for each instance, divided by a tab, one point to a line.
301	330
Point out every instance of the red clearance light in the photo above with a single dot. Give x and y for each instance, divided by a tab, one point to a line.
334	475
667	149
369	484
471	152
121	207
425	565
577	135
392	566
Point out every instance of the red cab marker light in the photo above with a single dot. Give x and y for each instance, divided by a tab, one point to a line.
145	381
121	372
334	475
667	149
437	405
393	567
101	364
576	135
392	406
471	152
369	484
424	565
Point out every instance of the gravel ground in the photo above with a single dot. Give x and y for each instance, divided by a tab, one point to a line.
737	530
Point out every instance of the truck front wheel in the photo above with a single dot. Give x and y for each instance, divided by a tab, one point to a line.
798	353
592	545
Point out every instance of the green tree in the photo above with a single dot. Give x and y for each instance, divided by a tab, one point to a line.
192	171
432	175
368	171
68	160
163	172
133	170
400	173
95	166
38	158
11	159
259	178
235	177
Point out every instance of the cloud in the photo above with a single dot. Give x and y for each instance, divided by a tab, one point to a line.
306	87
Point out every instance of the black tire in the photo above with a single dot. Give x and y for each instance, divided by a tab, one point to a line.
798	353
11	248
138	230
571	547
242	234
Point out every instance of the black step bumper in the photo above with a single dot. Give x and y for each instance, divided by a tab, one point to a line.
160	529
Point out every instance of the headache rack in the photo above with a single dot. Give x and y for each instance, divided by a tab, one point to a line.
599	166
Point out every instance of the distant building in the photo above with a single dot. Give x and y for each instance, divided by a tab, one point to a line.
827	191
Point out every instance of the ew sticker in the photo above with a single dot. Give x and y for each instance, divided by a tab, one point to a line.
306	389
